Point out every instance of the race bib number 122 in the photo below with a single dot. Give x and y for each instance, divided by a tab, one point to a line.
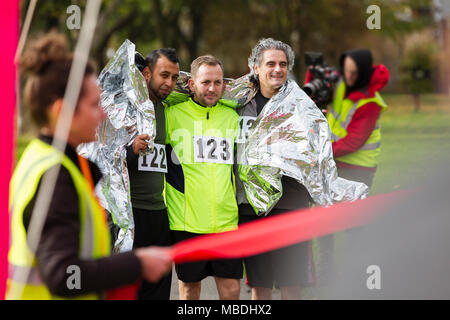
155	160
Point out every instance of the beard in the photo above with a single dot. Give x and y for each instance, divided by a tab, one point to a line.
154	91
202	100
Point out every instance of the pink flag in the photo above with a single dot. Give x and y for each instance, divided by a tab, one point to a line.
9	25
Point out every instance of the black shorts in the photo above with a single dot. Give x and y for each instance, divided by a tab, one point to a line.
152	229
197	271
285	267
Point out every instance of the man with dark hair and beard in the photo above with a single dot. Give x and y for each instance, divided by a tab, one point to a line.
160	70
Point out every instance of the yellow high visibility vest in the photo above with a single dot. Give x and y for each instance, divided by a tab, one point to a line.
340	114
94	234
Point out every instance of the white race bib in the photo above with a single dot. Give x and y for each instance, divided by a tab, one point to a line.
213	150
154	161
245	124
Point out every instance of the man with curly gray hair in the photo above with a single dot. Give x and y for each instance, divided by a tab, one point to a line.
270	63
263	45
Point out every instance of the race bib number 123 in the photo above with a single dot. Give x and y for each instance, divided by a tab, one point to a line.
213	150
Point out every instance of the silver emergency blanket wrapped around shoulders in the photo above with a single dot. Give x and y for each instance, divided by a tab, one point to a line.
125	101
291	137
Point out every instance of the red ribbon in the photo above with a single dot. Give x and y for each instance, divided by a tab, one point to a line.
128	292
283	230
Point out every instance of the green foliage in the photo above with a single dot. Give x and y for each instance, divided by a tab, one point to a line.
399	18
49	15
417	68
229	28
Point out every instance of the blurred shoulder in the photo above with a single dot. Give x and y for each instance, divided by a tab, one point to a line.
228	110
176	107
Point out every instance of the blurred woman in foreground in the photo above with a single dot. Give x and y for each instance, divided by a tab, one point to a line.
73	258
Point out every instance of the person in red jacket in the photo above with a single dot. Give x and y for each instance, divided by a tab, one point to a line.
360	84
362	81
353	117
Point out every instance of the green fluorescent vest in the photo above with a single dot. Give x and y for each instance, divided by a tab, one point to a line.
94	235
206	201
340	114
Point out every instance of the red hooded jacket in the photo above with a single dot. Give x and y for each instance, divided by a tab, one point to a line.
364	120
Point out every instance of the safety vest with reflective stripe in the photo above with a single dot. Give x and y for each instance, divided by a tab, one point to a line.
94	234
340	114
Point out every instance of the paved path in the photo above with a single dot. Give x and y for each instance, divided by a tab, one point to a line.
209	290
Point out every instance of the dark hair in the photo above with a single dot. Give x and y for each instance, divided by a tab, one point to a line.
47	62
139	61
364	62
152	57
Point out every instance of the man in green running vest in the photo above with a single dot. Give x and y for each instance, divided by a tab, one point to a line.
200	183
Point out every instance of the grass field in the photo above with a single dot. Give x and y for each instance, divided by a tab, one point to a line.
412	142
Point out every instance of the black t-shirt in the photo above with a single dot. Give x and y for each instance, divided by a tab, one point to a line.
146	187
260	101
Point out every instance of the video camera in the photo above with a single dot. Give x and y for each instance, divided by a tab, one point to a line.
324	78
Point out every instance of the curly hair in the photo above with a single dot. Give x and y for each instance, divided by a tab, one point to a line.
47	63
268	44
